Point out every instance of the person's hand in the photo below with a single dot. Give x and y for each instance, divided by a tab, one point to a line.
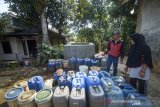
126	69
142	74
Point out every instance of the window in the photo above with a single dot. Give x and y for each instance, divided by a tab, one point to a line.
6	47
24	47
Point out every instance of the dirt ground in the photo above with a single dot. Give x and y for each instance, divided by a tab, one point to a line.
9	76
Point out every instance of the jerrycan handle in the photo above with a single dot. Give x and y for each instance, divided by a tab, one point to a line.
81	74
94	79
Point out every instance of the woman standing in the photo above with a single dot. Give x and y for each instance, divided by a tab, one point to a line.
140	62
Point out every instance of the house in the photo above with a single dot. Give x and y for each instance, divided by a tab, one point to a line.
148	23
20	41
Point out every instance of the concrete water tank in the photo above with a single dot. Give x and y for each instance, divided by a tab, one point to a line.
79	50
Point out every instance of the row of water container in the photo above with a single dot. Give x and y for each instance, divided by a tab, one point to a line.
72	63
76	90
108	91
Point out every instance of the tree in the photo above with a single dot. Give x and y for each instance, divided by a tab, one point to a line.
37	12
4	22
40	6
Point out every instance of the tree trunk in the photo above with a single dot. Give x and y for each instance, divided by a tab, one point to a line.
44	27
139	16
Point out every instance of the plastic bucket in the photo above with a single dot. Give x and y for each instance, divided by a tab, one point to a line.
23	84
12	95
26	99
83	68
44	98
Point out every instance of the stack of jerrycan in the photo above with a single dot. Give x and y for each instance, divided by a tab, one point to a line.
96	96
107	83
60	96
118	80
93	73
104	74
65	81
79	62
113	94
36	83
127	89
87	62
72	63
137	100
77	97
51	65
114	97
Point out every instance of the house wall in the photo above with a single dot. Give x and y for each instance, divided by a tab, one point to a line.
13	47
17	48
151	28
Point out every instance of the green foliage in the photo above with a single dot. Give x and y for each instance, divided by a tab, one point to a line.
25	11
47	51
4	22
86	35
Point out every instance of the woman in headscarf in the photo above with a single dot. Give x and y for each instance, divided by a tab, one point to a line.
140	62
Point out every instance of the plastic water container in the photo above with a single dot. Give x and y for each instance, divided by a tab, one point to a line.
93	73
79	62
104	74
65	63
72	63
127	88
36	83
71	74
118	80
65	81
103	62
51	66
92	80
61	96
78	83
11	96
58	65
77	98
87	62
94	62
49	83
21	83
26	99
138	100
96	96
57	74
113	97
44	98
83	68
107	83
81	75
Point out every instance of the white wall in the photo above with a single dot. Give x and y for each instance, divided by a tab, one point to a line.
151	27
